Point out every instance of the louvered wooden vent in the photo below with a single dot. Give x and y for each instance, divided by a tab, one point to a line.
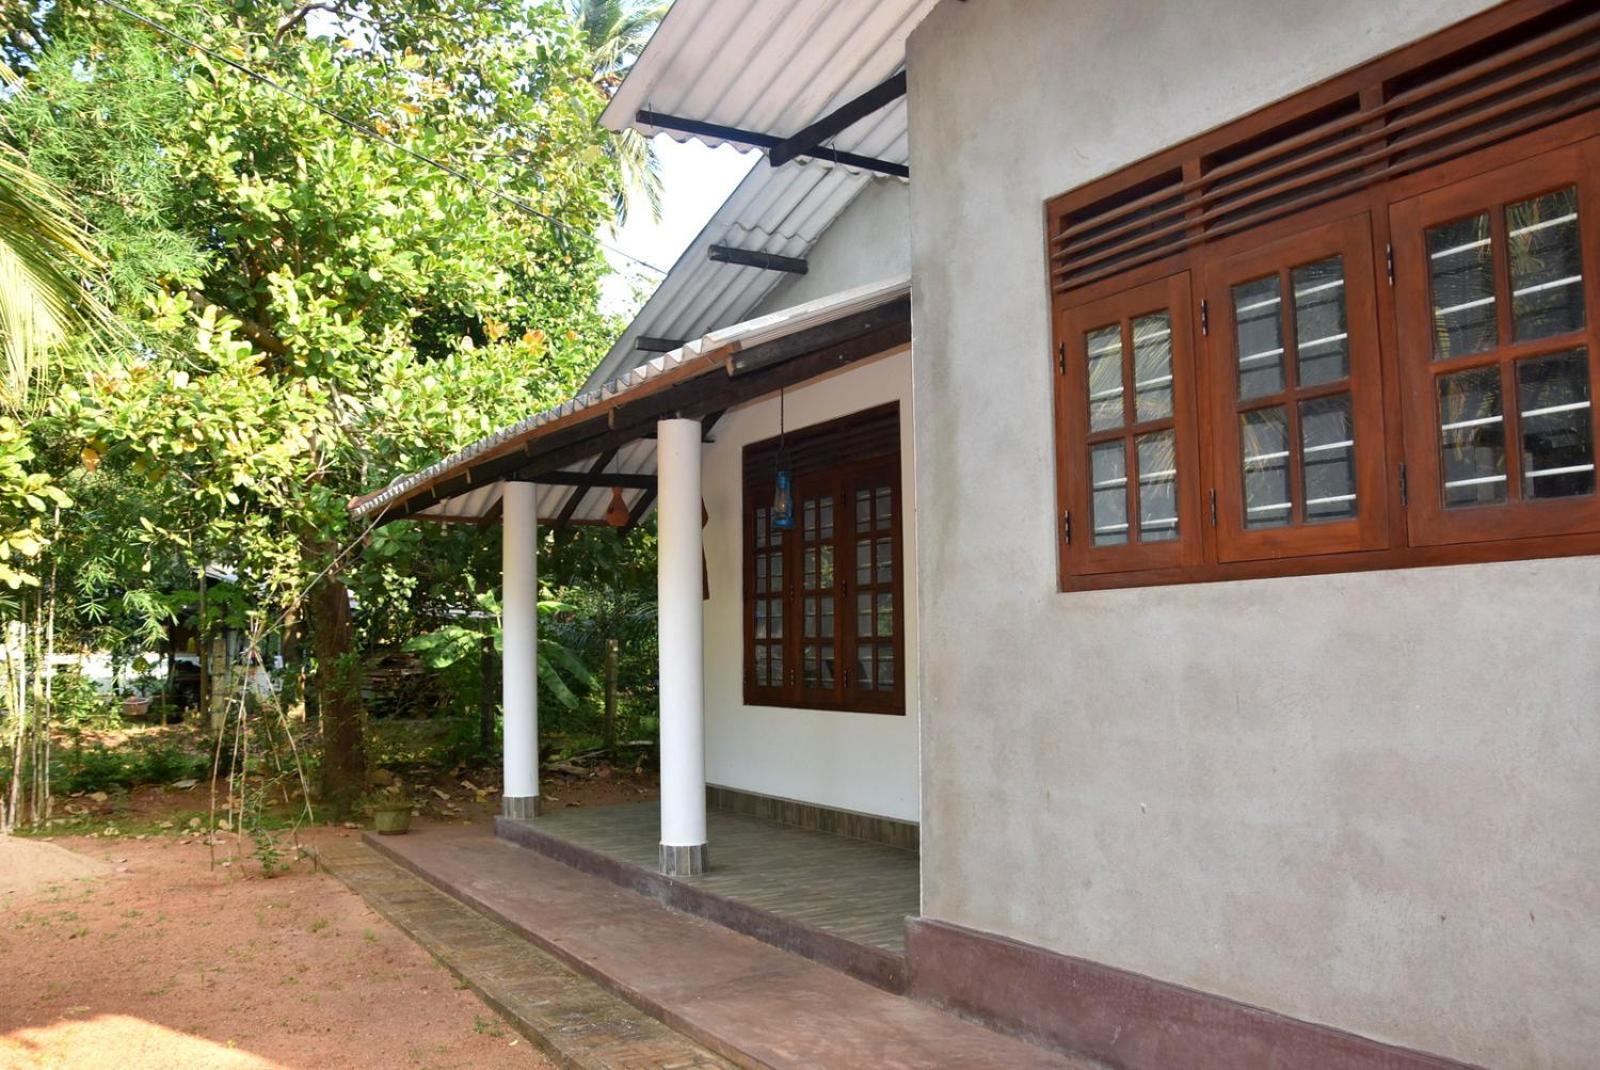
1514	82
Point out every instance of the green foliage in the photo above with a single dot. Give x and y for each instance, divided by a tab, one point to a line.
79	704
101	768
28	497
306	313
562	671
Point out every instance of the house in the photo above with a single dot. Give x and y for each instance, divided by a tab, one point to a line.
1198	568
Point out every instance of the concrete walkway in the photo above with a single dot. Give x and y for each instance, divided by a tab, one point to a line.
580	1025
749	1002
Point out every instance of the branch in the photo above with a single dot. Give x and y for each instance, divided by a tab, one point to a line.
300	16
259	336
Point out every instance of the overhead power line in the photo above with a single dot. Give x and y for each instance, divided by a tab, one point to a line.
373	134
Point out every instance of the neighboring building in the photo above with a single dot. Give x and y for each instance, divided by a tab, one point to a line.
1223	608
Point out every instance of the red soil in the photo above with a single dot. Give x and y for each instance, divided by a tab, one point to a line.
166	961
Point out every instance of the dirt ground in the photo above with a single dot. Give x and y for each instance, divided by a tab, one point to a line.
164	961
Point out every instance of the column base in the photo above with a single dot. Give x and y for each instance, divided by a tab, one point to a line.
683	861
519	806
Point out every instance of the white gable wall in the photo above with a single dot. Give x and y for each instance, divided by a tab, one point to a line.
869	243
1367	799
852	761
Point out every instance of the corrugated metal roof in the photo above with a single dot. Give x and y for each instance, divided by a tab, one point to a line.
701	356
782	210
774	67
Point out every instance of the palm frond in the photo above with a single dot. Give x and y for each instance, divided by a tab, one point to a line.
45	249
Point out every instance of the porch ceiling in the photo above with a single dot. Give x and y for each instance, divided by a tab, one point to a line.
579	450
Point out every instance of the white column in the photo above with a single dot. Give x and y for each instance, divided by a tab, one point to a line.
683	746
519	519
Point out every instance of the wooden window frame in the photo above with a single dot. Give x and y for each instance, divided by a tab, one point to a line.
837	481
1074	438
1431	523
1350	240
1389	535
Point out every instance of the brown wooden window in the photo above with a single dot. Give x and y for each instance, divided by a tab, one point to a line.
1128	445
1354	330
823	605
1497	343
1297	405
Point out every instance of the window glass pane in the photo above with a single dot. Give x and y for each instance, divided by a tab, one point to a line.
1321	337
1557	425
885	508
863	510
775	619
885	666
1328	458
761	619
1264	434
885	560
1105	377
1152	367
825	622
777	572
810	619
1461	267
811	666
825	568
825	519
1158	487
1108	471
1258	336
827	665
761	573
762	679
863	614
809	568
1546	268
810	522
1472	437
775	662
761	527
863	562
885	614
864	668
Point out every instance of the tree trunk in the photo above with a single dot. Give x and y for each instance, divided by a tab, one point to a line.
293	684
608	727
488	693
338	684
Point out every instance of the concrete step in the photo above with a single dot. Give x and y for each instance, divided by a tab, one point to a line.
573	1020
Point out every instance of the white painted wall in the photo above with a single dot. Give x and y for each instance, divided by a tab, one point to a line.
864	762
1367	800
869	242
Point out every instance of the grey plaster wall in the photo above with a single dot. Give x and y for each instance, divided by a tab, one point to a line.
1369	800
869	242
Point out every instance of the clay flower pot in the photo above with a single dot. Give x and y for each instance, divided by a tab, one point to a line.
391	818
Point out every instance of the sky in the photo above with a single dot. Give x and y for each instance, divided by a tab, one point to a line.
695	182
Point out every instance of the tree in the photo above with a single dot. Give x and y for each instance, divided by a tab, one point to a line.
615	32
320	308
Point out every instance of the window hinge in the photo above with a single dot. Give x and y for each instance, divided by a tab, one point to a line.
1388	259
1404	492
1213	506
844	678
791	677
1205	316
1066	527
1061	357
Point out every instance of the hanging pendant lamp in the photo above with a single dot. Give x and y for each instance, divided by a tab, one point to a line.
782	481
